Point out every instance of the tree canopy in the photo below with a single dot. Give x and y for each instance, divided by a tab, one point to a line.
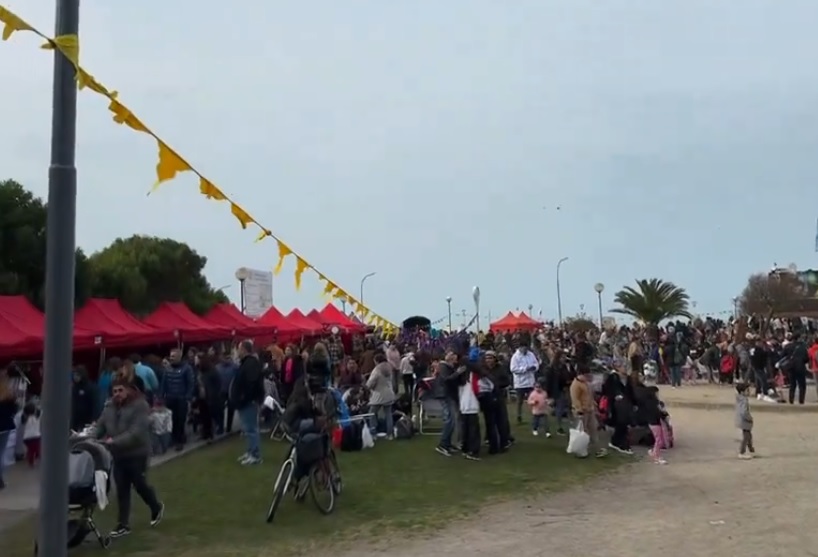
140	271
652	301
580	323
771	294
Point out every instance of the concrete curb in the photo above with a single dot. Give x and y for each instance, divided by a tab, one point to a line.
755	407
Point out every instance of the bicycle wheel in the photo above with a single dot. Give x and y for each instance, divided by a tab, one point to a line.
335	473
323	494
285	475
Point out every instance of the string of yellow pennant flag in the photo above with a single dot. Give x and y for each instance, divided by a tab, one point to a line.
170	163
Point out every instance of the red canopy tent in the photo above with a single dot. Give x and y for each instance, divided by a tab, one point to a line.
283	326
107	319
228	315
318	318
309	326
505	323
527	323
334	316
176	316
22	329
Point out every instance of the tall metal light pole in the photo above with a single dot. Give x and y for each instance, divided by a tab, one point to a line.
242	274
559	295
363	280
59	294
475	294
344	306
599	288
449	303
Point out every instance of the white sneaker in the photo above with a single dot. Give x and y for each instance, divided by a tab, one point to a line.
243	457
660	461
535	433
767	398
251	461
548	435
745	456
759	396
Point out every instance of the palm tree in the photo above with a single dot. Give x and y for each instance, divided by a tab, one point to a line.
652	301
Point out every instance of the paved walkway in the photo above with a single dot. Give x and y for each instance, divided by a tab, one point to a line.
723	396
22	494
705	502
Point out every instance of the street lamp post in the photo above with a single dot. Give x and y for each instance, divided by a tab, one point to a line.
599	287
531	310
449	304
242	274
59	293
559	295
344	306
363	280
475	294
735	307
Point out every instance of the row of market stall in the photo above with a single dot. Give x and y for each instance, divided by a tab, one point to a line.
104	323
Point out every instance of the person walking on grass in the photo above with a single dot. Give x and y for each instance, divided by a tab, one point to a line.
584	408
124	427
538	403
744	421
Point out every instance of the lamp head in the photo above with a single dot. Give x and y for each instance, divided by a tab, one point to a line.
599	287
448	299
242	274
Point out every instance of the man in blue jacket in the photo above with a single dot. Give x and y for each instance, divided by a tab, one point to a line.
177	391
147	375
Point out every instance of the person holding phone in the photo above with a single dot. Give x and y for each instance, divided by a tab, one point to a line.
524	366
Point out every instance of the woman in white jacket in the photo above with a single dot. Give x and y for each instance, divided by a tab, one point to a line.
524	366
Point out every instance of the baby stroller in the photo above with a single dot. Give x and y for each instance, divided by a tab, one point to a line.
86	490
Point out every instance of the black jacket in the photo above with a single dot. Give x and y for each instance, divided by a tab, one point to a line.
248	384
8	409
500	376
621	409
558	378
447	382
83	404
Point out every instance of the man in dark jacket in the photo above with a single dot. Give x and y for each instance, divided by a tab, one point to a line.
124	428
618	389
558	379
500	375
796	359
177	390
246	394
83	400
446	386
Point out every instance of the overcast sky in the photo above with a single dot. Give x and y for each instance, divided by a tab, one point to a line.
450	143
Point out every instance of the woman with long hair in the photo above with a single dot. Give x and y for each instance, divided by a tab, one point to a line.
8	410
128	373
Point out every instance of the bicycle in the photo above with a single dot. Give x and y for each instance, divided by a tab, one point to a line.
322	475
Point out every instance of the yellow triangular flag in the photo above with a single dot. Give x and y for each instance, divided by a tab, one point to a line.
263	234
169	165
300	267
68	45
11	23
123	115
241	215
328	287
210	191
84	79
283	251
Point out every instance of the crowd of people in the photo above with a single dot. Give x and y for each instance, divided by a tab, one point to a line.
145	405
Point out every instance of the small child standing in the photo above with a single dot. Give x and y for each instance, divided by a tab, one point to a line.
538	402
655	414
31	432
744	421
160	420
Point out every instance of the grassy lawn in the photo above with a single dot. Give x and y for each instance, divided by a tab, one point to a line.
217	508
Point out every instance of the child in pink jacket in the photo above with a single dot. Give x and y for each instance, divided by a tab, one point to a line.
538	402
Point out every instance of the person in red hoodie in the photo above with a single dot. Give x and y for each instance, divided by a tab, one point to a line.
813	362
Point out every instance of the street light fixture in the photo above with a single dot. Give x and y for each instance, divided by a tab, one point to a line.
449	303
242	274
599	287
363	280
559	296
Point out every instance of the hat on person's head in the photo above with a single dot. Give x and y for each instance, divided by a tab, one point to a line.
491	353
474	354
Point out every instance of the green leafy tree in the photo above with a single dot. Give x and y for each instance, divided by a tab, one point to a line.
143	271
23	247
652	301
580	323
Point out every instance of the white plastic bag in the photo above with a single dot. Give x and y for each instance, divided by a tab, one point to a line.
578	441
366	438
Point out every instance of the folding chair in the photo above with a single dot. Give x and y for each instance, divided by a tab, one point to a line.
430	409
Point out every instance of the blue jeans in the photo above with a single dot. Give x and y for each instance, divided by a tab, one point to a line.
377	410
562	408
449	415
539	420
248	416
676	376
4	441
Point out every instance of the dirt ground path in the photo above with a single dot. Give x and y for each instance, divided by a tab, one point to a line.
705	502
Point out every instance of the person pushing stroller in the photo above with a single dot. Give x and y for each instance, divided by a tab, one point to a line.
124	428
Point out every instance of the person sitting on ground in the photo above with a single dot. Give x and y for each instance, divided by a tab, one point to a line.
350	376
